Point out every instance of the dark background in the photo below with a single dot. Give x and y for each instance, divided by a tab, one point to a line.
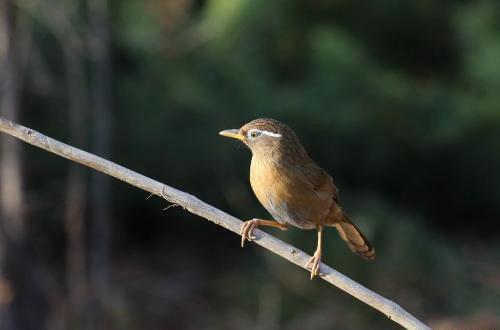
398	100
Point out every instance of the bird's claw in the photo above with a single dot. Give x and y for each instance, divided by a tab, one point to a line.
313	264
246	231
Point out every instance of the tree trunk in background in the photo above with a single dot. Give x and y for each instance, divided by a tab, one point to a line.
11	218
76	195
18	287
100	199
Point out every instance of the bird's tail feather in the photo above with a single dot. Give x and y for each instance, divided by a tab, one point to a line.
355	239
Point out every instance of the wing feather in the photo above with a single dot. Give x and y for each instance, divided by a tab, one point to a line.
321	182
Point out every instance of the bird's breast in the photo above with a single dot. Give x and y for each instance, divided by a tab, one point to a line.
263	179
280	194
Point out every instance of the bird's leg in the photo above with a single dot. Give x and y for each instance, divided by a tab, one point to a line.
248	227
315	260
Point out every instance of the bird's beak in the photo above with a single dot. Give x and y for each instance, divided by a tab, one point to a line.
232	133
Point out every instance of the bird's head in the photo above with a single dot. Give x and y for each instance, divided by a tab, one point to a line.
263	135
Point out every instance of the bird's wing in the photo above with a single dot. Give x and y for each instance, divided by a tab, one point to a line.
321	182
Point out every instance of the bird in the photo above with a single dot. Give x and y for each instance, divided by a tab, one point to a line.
293	188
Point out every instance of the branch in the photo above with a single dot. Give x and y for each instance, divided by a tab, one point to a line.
204	210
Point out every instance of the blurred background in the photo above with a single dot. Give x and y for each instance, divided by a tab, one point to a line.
398	100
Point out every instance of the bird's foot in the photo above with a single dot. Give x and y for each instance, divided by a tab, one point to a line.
313	263
246	230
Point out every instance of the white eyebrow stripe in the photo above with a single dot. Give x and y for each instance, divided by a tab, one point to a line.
276	135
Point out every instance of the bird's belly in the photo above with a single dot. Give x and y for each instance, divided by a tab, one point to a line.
287	215
288	206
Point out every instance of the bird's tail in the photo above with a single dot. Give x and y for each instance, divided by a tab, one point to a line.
355	239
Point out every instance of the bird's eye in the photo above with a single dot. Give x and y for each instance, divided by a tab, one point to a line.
253	134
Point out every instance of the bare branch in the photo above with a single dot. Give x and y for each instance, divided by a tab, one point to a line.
204	210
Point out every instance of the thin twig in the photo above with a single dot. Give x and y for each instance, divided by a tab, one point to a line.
171	205
204	210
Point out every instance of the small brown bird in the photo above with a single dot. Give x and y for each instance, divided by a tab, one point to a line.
293	189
